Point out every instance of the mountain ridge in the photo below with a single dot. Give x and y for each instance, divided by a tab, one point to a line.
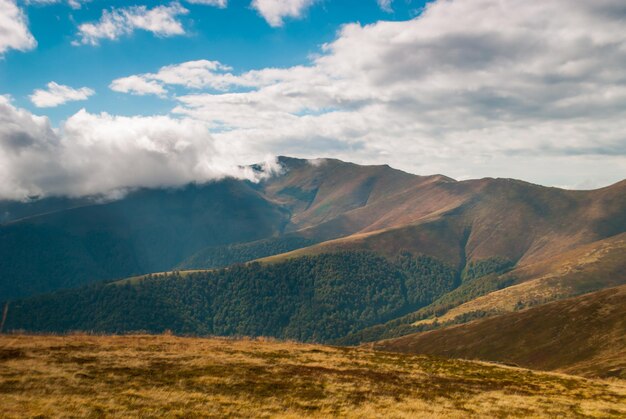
304	222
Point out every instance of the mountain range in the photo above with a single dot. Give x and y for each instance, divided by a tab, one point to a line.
324	251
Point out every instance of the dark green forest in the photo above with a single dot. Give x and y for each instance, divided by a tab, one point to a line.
312	298
478	278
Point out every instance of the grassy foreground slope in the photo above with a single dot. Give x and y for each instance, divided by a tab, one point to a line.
583	335
166	376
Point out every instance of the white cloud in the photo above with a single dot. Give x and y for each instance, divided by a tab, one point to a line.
77	4
58	94
137	85
385	5
74	4
217	3
160	20
94	154
14	32
194	74
274	11
190	74
469	88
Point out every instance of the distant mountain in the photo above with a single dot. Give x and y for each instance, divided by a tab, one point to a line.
147	231
582	335
507	244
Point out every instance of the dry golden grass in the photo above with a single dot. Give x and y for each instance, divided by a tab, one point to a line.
167	376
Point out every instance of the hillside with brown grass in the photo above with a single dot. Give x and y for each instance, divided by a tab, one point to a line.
381	209
583	335
588	268
167	376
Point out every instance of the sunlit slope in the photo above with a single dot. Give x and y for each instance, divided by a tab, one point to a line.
583	335
588	268
166	376
473	220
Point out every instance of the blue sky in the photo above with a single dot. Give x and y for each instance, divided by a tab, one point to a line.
236	35
100	96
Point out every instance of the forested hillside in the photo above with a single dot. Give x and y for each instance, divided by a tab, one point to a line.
496	289
310	299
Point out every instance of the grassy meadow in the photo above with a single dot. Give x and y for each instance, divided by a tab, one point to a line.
167	376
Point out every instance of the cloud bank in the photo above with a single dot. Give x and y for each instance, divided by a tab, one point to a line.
14	32
104	154
472	88
468	88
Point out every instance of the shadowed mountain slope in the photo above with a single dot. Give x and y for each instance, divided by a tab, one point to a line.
147	231
583	335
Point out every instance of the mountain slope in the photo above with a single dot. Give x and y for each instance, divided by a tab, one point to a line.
482	219
147	231
328	205
583	335
585	269
310	299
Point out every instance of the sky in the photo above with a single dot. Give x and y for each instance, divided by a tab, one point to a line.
100	96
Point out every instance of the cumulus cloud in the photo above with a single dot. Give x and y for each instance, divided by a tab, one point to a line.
468	88
190	74
472	88
14	32
275	11
58	94
160	20
137	85
101	154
